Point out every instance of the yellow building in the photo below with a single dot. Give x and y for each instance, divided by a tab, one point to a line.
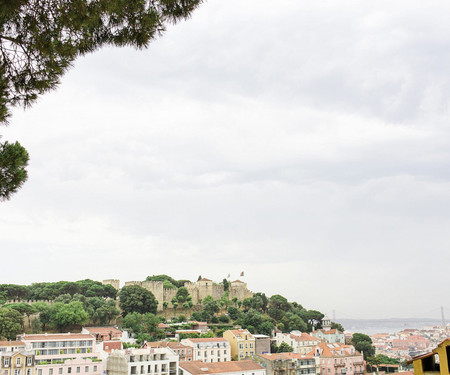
434	363
17	363
242	343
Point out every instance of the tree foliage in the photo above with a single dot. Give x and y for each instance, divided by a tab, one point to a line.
363	343
11	323
134	298
40	39
13	160
285	348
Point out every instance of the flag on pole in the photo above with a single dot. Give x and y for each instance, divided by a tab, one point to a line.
242	273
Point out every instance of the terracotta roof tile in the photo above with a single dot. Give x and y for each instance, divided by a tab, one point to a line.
199	367
212	339
57	336
102	330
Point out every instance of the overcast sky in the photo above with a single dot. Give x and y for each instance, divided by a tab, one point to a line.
306	143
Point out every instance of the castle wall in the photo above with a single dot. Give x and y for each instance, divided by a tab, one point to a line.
198	290
114	282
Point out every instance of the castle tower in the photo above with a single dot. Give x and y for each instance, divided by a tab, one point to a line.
114	282
326	323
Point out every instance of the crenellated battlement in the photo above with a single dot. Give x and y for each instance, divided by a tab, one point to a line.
198	290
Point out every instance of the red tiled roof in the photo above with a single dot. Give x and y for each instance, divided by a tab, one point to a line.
211	339
102	330
304	337
240	332
12	343
57	336
199	367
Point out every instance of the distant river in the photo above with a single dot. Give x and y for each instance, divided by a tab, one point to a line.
371	326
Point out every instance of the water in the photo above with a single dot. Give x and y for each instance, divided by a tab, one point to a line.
371	326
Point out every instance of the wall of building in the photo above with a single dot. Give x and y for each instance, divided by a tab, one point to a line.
198	290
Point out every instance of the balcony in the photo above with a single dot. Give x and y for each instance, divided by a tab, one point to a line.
339	365
358	363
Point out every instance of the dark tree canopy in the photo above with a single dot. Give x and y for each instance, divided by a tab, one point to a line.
40	39
134	298
13	160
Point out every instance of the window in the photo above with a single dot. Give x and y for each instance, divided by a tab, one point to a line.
29	361
86	368
29	371
60	370
50	371
78	369
6	362
241	346
5	372
95	368
69	370
17	371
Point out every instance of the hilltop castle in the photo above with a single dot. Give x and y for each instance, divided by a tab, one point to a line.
198	290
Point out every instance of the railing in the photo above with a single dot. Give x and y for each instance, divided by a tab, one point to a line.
339	365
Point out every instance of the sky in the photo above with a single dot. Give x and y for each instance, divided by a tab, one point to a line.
305	143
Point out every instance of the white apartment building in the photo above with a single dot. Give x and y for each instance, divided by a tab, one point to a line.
301	342
209	350
51	347
149	361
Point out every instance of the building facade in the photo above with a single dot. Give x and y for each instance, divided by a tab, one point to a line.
149	361
300	342
59	347
338	359
209	350
287	363
17	363
222	368
242	343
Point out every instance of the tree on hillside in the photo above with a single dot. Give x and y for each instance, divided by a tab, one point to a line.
11	323
134	298
363	343
285	348
141	323
337	326
278	306
23	308
226	285
210	307
182	295
67	315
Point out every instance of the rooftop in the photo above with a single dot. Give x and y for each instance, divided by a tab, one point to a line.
199	367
